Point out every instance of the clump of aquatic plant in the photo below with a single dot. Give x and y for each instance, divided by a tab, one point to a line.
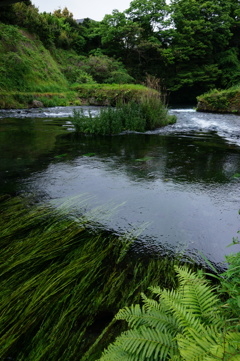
62	279
147	114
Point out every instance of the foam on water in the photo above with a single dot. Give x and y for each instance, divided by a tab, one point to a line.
226	126
55	112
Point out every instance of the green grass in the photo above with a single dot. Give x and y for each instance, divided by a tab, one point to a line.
112	94
62	279
26	65
146	114
19	100
27	68
220	101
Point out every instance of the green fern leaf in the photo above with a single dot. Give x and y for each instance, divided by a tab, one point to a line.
184	325
144	343
198	296
155	317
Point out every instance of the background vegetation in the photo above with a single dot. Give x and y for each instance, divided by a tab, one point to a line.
221	101
192	46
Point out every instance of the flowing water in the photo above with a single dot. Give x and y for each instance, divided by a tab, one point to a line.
179	184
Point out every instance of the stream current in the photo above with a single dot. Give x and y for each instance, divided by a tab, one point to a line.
179	184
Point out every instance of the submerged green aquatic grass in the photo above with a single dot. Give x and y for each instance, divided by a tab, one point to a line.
62	279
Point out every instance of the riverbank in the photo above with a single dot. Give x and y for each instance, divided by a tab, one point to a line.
27	100
79	94
32	75
220	101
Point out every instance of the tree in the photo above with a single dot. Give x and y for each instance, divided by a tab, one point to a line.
65	13
200	31
151	14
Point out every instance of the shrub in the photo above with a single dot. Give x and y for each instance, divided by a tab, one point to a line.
220	101
104	69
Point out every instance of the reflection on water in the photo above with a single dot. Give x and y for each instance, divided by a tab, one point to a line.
183	180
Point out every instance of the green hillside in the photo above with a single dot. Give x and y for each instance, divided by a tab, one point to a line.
26	65
30	72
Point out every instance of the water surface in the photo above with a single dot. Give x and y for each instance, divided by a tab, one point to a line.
182	181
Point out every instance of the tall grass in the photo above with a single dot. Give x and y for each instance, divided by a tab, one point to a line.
62	279
147	114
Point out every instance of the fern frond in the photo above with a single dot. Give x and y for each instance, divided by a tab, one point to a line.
155	318
116	353
156	290
162	321
195	346
184	318
133	315
197	295
208	345
145	343
176	358
149	303
184	325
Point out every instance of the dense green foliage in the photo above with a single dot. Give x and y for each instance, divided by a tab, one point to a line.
190	323
26	65
147	114
22	100
62	278
111	94
221	101
192	46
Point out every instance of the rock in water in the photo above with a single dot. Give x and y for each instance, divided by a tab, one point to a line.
36	104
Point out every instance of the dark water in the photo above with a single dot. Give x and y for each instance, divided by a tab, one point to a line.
179	184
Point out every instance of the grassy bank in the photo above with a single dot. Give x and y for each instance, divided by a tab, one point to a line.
26	65
220	101
29	72
63	279
78	94
21	100
111	94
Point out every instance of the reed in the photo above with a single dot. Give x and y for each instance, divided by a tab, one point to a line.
147	113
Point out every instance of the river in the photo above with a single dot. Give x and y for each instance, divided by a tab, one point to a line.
178	184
